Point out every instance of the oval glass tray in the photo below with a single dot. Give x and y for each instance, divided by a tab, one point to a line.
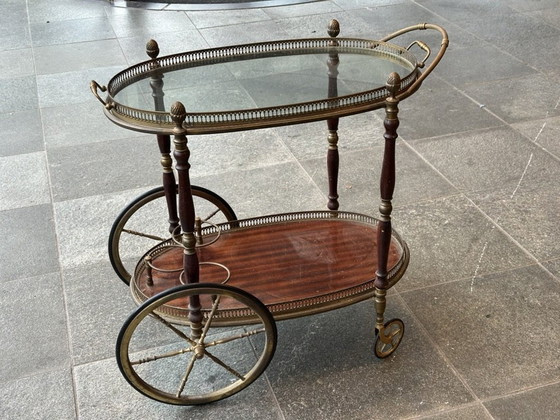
258	85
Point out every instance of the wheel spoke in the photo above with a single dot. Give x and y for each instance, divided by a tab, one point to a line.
224	365
215	212
209	320
144	235
174	329
234	337
162	356
393	333
186	376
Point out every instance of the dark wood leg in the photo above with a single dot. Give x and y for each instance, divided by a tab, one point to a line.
332	154
387	187
186	216
333	163
169	182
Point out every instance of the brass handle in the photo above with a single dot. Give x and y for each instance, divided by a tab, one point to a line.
443	47
424	47
94	86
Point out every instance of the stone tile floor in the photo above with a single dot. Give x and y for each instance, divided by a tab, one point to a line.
477	200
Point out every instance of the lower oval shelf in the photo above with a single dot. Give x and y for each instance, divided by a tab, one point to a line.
297	264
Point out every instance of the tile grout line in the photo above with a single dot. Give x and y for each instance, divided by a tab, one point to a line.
482	106
55	224
495	225
497	221
439	351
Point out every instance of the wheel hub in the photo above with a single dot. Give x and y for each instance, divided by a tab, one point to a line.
199	350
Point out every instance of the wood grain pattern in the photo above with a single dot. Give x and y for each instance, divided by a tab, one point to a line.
283	262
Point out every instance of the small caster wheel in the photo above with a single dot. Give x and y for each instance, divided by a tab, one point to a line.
175	354
389	338
143	223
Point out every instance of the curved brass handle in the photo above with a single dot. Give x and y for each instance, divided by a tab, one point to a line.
94	86
424	47
443	47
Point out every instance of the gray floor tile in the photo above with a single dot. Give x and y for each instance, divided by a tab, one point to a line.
489	160
33	329
536	207
545	133
27	231
83	226
286	189
356	132
538	52
102	165
72	87
70	31
450	239
494	64
244	34
357	4
539	403
127	23
359	176
20	132
316	26
324	366
169	43
492	328
14	31
78	56
244	152
79	124
528	6
15	39
117	399
98	304
42	11
303	9
24	181
500	29
42	396
20	94
459	12
16	63
208	19
438	109
15	13
520	99
554	267
388	19
469	412
549	12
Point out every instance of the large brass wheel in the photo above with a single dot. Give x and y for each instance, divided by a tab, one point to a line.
228	345
145	221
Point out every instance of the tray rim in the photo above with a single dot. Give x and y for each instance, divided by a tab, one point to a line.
246	119
297	307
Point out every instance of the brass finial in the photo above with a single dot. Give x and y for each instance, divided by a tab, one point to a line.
152	49
178	113
393	84
334	28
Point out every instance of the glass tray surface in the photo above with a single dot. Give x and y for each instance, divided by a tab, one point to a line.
259	85
263	82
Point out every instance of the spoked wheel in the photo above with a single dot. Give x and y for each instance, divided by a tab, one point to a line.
143	223
389	339
159	356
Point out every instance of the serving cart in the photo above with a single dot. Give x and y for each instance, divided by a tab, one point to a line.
210	287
